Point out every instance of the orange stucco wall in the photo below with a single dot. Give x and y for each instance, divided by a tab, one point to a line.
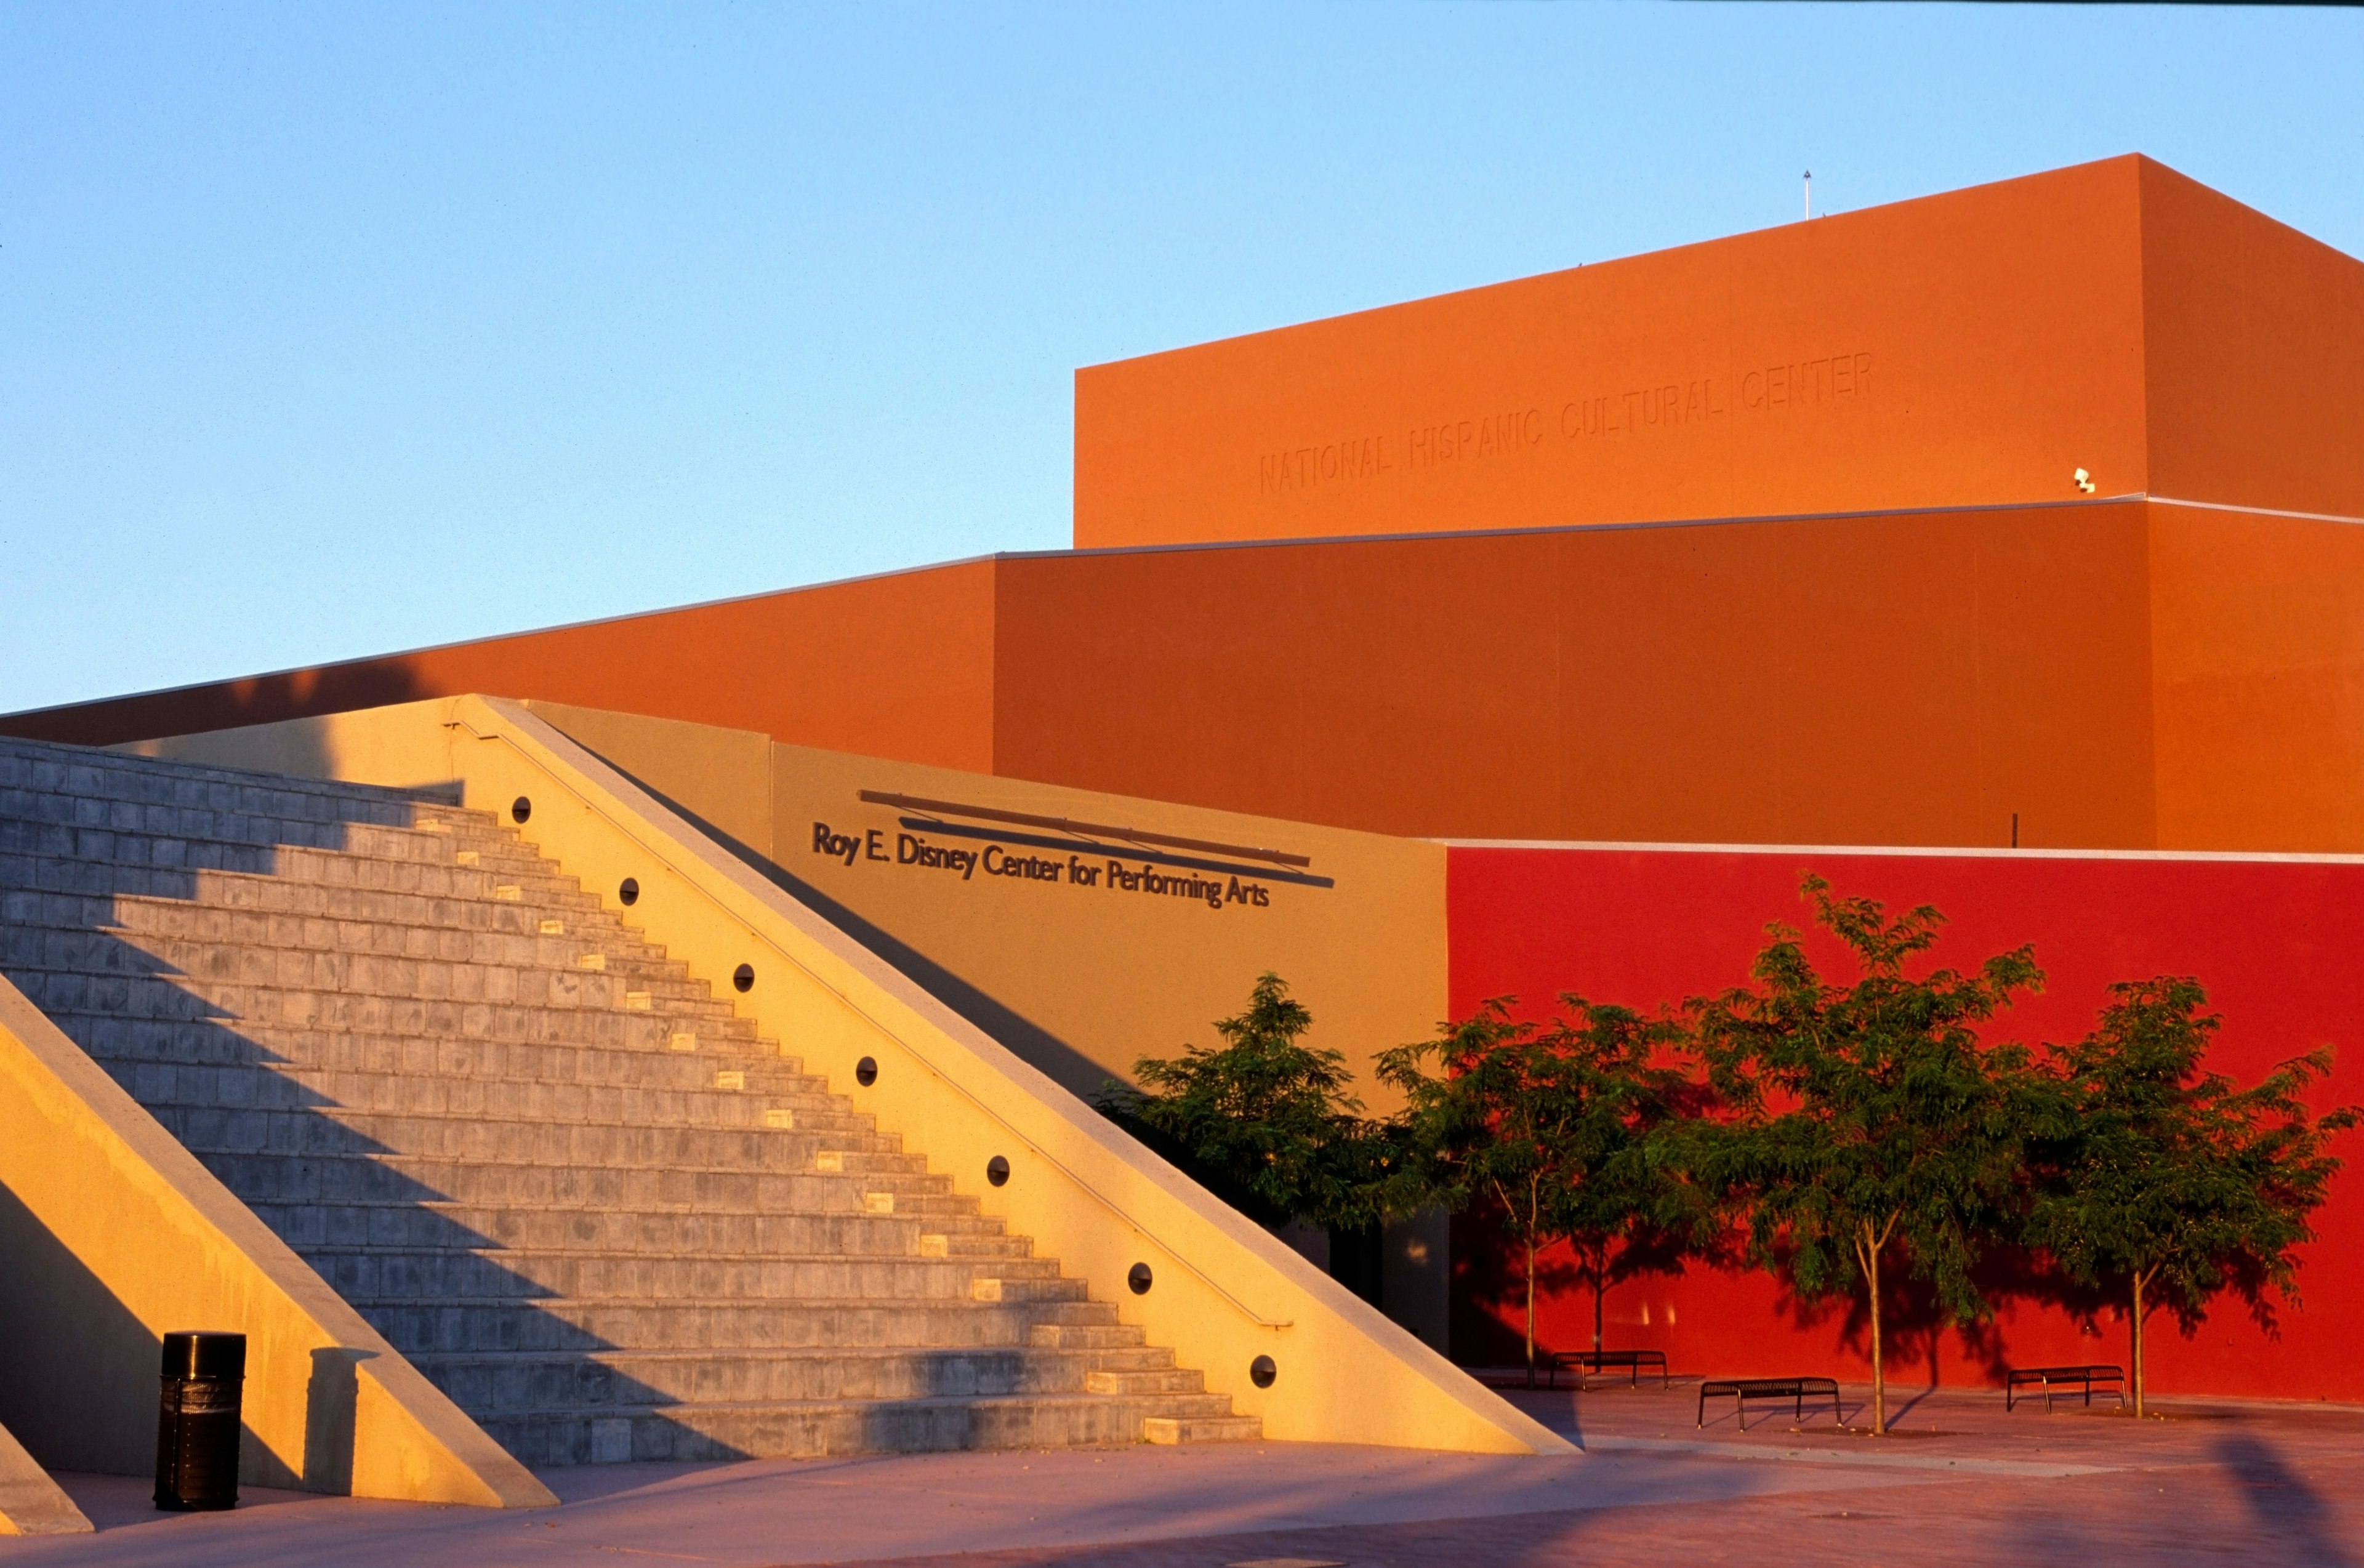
1903	679
2119	674
2255	355
2258	652
898	666
1968	349
2254	352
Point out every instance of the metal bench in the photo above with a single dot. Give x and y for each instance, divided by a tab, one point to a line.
1798	1390
1584	1364
2049	1378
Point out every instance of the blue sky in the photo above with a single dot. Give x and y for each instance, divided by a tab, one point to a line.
333	330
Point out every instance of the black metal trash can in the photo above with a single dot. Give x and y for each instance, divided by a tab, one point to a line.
197	1422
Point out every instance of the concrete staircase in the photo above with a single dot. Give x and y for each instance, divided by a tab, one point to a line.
551	1167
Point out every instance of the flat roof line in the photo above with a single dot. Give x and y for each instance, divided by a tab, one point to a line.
2254	511
1398	537
1923	852
1410	536
616	620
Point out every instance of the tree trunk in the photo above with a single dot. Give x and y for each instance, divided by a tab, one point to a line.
1534	1217
2137	1368
1530	1309
1599	1261
1879	1369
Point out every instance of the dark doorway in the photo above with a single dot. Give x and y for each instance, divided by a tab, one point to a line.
1357	1261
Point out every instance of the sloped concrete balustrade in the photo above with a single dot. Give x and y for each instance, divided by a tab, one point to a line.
552	1168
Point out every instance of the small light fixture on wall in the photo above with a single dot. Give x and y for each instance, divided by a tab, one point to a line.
2084	482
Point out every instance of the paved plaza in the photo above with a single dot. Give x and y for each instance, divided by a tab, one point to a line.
1960	1482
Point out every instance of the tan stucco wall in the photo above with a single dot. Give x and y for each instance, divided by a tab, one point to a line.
1082	981
722	777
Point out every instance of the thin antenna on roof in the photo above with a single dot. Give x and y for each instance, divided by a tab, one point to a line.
1810	193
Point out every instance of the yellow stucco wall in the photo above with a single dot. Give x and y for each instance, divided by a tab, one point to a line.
30	1503
114	1235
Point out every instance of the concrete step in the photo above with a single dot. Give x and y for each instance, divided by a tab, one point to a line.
457	1041
190	838
613	1146
664	1232
1143	1381
584	1324
347	919
1085	1336
360	1177
548	972
216	842
529	1145
232	948
341	1094
945	1234
218	909
449	1275
305	1007
655	1054
700	1104
87	774
527	936
238	881
263	817
278	988
845	1233
524	1381
802	1430
1224	1427
995	1282
236	815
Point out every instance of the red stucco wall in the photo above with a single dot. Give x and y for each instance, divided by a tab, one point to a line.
2273	941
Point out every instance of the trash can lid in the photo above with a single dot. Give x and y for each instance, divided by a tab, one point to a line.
193	1354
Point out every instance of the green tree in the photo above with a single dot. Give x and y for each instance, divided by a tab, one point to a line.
1549	1125
1264	1120
1868	1121
2163	1178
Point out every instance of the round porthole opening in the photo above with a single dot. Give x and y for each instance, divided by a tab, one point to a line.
1139	1278
865	1071
629	891
997	1171
1261	1371
520	808
743	977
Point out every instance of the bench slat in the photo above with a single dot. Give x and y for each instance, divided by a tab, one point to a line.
1583	1362
2065	1379
1742	1389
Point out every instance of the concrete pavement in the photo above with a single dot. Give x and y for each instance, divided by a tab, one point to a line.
1961	1483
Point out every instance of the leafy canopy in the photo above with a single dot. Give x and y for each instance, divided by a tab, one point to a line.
2167	1176
1549	1124
1866	1114
1263	1120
